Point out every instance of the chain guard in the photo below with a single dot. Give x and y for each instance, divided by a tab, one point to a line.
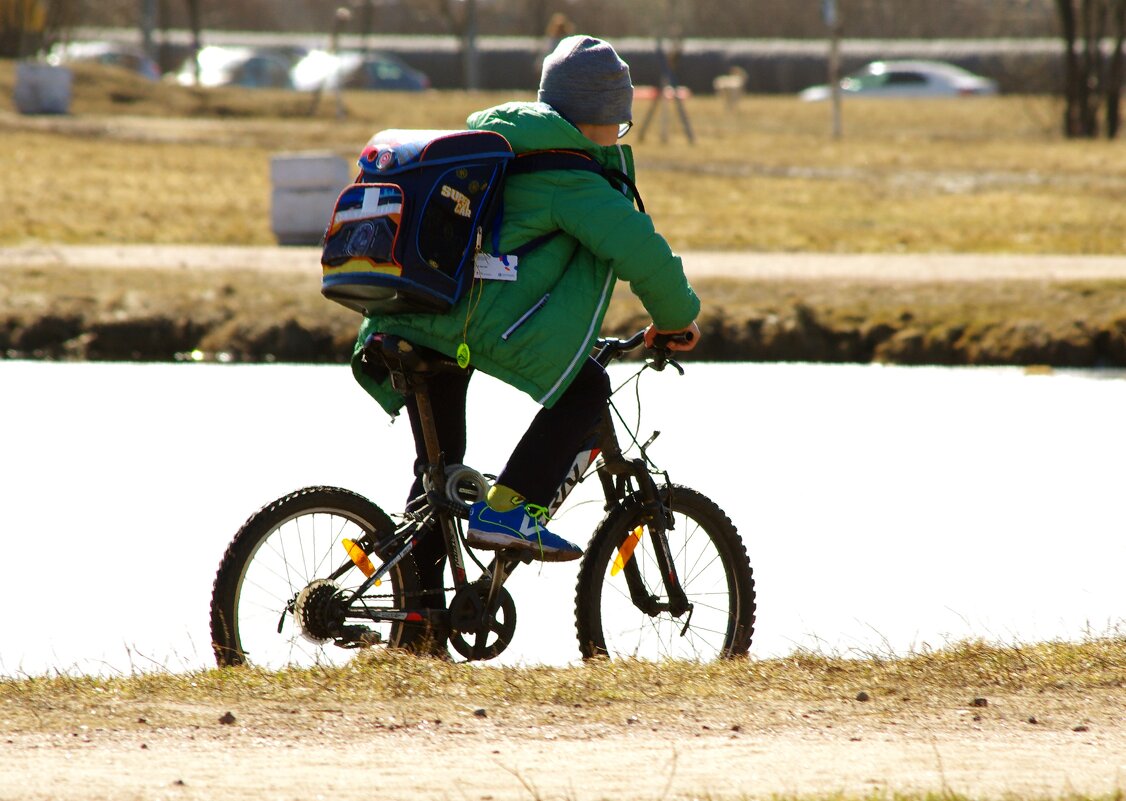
468	623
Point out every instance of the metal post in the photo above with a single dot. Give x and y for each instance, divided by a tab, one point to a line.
835	79
368	24
472	81
833	22
340	21
148	26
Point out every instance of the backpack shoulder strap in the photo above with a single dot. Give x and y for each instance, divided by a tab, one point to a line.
540	160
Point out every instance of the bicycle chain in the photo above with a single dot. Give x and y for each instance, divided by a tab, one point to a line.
410	594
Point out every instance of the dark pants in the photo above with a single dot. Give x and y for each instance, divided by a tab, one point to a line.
536	467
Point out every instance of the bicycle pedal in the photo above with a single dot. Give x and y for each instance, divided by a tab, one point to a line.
359	637
517	555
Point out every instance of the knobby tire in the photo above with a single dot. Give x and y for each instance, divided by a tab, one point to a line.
281	549
714	570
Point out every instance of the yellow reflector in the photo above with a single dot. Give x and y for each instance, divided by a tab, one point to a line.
360	559
625	550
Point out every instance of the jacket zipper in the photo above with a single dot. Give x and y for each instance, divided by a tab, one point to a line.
524	317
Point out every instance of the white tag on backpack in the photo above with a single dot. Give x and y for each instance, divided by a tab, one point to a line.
491	268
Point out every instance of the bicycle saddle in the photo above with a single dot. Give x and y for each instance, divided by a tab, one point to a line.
401	355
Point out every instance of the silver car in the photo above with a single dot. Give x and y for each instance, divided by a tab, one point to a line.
908	79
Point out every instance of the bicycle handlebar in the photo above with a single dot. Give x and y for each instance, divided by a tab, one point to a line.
610	348
616	347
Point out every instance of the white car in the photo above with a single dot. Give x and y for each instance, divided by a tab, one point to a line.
908	79
323	70
238	66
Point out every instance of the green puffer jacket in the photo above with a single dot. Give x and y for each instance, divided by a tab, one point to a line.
533	333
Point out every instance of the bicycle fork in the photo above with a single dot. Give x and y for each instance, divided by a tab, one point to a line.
657	518
616	472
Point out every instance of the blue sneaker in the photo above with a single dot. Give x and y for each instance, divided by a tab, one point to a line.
519	529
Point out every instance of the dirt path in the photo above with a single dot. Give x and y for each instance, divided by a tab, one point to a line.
1030	746
790	266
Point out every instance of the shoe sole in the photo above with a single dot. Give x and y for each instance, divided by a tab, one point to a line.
486	541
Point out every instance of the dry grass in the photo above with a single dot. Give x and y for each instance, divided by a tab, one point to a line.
602	689
138	162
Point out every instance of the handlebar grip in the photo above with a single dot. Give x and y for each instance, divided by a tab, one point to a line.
663	340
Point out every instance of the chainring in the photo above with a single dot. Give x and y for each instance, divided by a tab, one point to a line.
468	622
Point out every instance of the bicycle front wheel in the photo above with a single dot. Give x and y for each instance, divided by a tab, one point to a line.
275	601
622	602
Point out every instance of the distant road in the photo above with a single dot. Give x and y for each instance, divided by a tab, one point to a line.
773	65
700	264
889	48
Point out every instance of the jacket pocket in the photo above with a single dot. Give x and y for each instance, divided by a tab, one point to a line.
525	317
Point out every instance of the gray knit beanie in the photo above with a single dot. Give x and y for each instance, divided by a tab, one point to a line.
585	81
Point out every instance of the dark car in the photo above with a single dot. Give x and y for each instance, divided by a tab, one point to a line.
115	54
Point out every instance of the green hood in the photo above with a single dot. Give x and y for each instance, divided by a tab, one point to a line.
536	126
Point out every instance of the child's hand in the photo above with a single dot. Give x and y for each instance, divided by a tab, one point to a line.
680	339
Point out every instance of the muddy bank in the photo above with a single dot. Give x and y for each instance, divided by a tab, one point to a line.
160	338
800	333
795	332
137	313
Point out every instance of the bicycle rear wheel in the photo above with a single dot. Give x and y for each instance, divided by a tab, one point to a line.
711	562
275	603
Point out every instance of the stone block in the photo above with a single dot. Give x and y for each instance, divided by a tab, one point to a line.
305	187
42	88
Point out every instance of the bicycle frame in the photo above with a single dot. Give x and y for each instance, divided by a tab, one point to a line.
621	479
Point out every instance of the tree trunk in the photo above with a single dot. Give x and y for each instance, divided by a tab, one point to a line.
1071	116
196	27
1090	78
1114	73
1090	90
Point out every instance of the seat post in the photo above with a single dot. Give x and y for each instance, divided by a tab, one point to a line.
426	419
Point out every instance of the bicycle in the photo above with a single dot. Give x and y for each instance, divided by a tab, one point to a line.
665	574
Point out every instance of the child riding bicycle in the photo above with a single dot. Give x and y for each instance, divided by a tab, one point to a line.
535	333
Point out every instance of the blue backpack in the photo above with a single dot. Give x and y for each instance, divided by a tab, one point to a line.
404	237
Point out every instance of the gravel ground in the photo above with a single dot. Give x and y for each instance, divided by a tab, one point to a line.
1057	744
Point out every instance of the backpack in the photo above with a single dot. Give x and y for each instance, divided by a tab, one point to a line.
405	236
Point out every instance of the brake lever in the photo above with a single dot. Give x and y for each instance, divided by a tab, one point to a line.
662	358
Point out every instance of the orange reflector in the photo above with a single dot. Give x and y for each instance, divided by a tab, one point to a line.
359	559
625	550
